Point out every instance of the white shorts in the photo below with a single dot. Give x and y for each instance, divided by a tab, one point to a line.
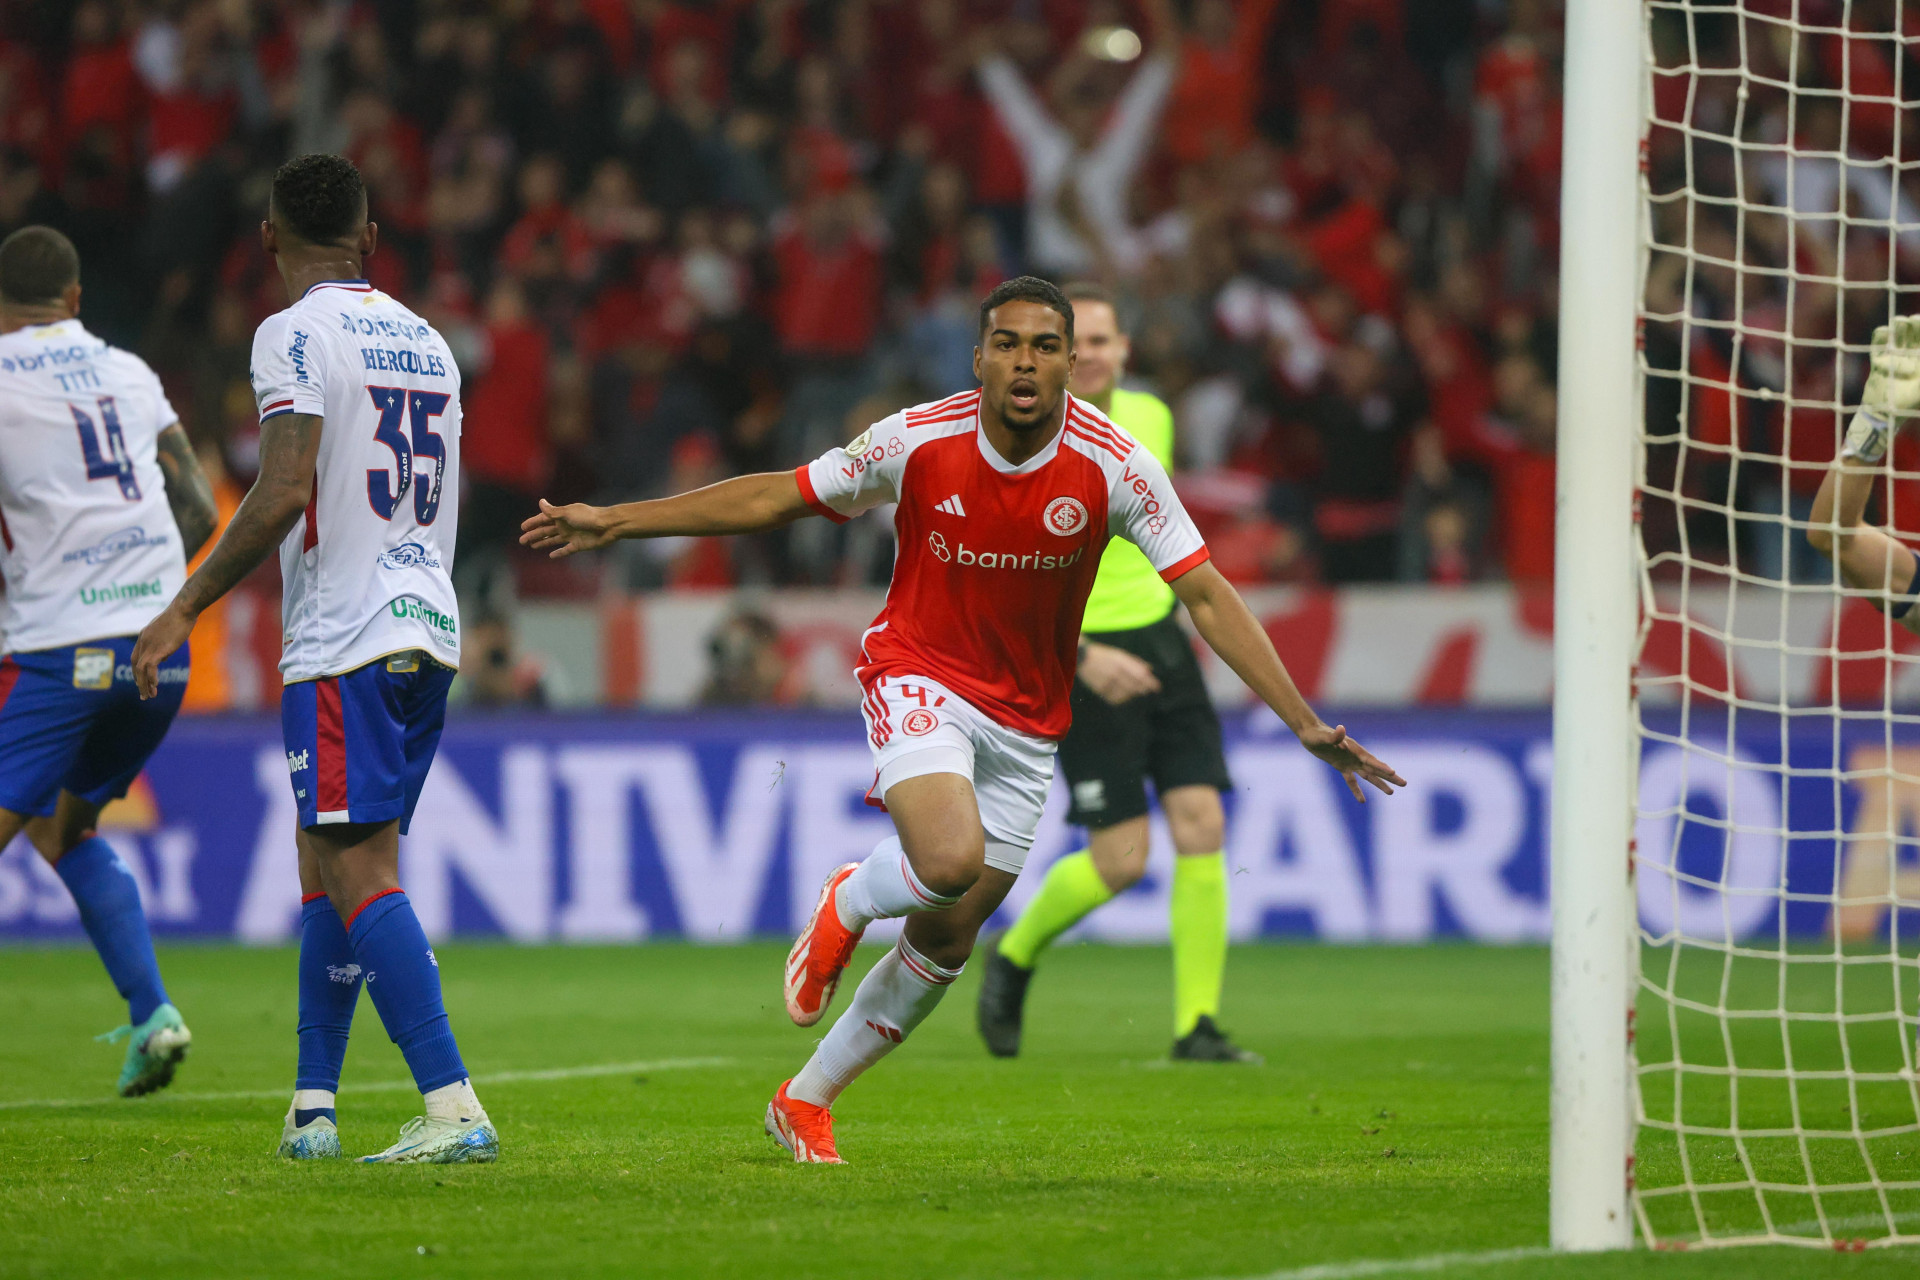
917	726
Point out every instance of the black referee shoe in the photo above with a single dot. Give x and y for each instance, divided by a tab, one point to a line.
1208	1043
1003	996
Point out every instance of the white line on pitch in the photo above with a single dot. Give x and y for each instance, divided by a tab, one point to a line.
1405	1266
398	1086
1370	1267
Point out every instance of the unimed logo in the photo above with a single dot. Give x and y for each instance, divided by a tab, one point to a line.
118	591
408	607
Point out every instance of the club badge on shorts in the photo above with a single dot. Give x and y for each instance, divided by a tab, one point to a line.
93	668
919	722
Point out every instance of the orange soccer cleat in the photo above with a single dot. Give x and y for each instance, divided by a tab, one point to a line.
820	955
802	1128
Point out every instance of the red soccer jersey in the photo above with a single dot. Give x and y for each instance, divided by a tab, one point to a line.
996	561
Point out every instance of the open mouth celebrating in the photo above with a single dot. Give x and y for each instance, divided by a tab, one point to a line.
1023	395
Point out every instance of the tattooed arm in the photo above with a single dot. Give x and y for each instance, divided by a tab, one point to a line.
289	444
188	492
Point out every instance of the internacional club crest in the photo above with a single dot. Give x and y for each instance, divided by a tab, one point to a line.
919	722
1065	516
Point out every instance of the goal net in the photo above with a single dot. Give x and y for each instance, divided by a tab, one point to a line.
1777	839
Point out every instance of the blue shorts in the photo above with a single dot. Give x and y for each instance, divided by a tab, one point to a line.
71	720
359	745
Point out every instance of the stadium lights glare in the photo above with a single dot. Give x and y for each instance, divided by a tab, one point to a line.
1113	44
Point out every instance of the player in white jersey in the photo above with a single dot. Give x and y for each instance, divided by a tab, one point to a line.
359	481
101	505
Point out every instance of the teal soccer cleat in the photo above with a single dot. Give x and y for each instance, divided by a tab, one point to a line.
317	1139
154	1052
429	1141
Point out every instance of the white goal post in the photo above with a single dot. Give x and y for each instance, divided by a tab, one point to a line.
1736	791
1594	612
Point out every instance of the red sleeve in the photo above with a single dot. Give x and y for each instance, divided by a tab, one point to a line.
812	498
1179	567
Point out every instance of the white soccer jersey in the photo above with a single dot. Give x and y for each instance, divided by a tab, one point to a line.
88	545
367	568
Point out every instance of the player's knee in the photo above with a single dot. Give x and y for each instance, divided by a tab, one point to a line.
945	937
949	868
49	840
1196	820
1122	873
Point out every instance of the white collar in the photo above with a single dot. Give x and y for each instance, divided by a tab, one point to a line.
1037	461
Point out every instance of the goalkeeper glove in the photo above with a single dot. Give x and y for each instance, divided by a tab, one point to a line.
1892	392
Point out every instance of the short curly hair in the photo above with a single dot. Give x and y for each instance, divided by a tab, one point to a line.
1028	289
36	266
320	198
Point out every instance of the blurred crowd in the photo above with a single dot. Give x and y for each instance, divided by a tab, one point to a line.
672	240
1786	228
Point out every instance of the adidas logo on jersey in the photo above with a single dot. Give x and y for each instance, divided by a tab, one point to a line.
952	506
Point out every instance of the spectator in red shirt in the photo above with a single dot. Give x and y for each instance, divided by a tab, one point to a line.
1526	491
503	441
194	99
827	301
100	89
1214	99
548	247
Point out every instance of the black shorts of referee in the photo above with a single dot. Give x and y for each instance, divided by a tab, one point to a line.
1172	736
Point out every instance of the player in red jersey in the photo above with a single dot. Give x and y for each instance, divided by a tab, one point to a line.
1006	497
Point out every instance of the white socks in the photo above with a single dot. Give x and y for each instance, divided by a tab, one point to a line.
895	997
884	887
455	1102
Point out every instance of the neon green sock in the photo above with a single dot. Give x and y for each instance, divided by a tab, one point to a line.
1073	888
1199	927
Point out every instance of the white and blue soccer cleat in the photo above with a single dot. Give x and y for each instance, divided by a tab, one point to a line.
317	1139
154	1050
425	1140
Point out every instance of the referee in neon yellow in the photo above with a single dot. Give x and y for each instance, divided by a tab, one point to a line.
1140	711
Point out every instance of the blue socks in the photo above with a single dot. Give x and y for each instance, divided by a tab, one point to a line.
110	910
329	988
403	978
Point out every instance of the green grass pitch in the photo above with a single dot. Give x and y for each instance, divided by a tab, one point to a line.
1402	1115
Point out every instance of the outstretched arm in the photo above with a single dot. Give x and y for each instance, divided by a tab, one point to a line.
1225	623
289	443
189	494
744	504
1868	558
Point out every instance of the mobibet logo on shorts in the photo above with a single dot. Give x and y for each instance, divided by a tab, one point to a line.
1001	559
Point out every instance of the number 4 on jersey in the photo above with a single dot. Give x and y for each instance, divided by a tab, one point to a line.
114	464
421	407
